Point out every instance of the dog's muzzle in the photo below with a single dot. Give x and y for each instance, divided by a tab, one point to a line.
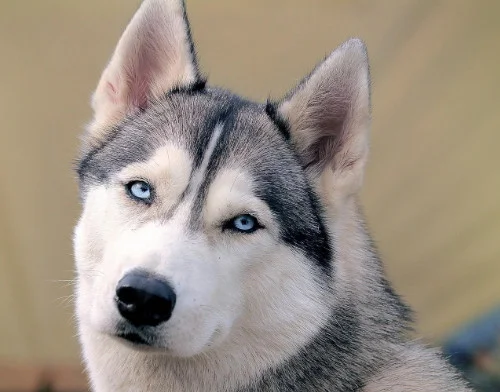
144	299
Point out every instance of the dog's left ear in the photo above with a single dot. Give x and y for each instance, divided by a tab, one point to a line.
154	55
329	117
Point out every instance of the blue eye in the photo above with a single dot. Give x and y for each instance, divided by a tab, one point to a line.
139	190
244	224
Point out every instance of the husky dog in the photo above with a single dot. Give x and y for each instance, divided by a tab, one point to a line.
221	245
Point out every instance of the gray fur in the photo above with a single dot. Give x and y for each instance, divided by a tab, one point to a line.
305	156
367	333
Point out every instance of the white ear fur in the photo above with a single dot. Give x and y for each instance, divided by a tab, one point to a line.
154	55
329	116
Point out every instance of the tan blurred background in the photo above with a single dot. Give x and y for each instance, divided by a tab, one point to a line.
432	192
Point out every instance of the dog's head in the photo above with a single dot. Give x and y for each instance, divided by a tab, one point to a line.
207	218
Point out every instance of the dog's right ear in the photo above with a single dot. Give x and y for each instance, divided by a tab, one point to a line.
154	55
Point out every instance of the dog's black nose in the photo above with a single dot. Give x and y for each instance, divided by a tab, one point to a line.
143	299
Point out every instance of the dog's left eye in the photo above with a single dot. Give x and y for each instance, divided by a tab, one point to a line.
140	190
243	223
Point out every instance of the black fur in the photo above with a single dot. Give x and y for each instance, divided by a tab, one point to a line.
193	88
281	124
192	48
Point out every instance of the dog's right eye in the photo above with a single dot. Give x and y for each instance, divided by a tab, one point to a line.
140	190
244	223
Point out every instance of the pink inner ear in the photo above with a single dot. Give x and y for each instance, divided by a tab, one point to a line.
152	57
139	76
147	64
131	85
112	93
324	128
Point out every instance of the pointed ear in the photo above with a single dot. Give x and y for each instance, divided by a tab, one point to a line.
329	117
154	55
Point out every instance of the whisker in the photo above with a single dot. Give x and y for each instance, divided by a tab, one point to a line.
65	300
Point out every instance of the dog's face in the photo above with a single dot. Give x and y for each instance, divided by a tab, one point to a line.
204	214
201	191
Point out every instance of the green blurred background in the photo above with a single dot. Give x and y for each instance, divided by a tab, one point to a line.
432	191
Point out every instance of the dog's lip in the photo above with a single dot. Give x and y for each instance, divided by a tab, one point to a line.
133	337
136	340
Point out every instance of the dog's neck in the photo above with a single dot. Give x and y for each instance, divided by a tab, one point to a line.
332	361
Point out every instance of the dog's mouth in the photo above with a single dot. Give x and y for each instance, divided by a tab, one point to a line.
133	338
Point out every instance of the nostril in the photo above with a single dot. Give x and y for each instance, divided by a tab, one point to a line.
127	295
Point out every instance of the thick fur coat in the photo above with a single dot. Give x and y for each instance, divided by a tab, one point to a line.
221	245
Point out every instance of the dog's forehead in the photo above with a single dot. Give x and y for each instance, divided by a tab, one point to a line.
189	120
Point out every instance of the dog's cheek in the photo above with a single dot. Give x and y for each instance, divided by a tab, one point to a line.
92	236
96	221
88	248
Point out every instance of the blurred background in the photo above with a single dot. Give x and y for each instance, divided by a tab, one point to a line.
432	193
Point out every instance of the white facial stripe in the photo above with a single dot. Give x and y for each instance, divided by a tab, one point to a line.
199	174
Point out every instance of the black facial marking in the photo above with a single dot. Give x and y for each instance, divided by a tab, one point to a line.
120	149
281	124
225	119
85	164
301	219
